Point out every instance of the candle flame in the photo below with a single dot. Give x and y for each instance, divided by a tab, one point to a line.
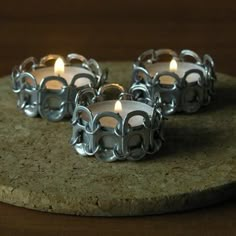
59	66
173	65
118	107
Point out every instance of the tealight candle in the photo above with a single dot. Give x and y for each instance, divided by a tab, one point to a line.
117	130
60	70
182	84
120	107
50	91
179	68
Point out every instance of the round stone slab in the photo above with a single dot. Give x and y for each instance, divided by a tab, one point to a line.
196	166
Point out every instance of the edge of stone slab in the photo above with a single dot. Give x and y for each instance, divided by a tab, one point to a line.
118	207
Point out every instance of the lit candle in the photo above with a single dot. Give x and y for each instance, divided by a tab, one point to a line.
59	69
110	136
118	107
179	68
173	65
123	109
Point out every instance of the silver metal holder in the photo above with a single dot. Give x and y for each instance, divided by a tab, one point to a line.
35	98
122	141
182	94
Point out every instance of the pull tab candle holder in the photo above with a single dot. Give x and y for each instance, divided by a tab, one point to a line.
114	130
50	91
185	82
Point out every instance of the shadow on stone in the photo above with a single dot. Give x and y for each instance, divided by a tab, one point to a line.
225	97
182	140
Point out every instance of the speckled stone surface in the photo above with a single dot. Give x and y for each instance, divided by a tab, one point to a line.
196	166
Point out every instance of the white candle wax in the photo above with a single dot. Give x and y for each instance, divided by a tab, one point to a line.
68	74
127	107
183	67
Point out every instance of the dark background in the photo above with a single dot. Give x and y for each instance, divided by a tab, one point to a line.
116	30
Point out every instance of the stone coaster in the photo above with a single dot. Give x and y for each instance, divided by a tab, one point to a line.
196	166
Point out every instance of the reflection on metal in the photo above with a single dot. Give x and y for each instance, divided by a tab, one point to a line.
180	95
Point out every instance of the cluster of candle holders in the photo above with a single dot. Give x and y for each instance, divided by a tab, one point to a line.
158	88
